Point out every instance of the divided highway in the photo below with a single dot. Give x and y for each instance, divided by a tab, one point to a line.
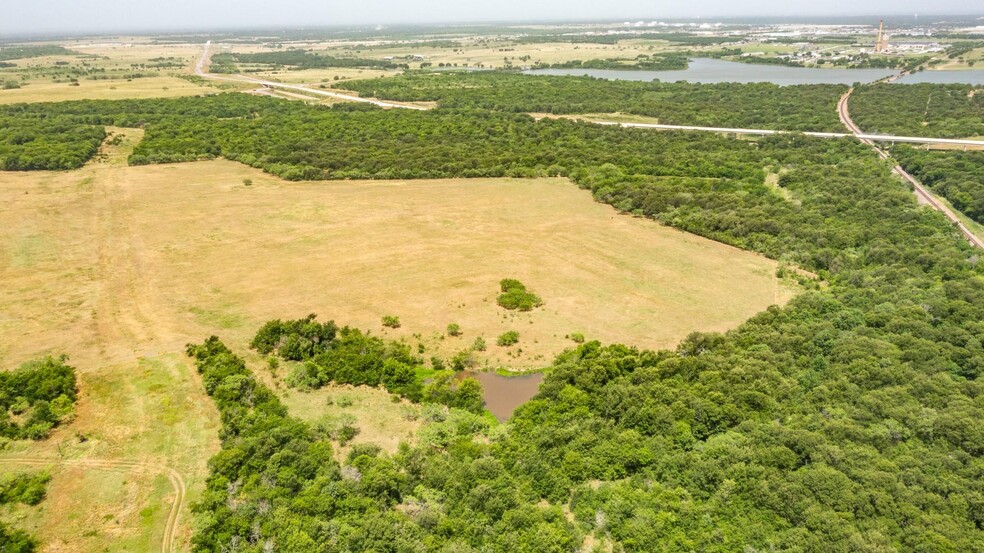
920	190
842	108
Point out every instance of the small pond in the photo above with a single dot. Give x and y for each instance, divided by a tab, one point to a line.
503	394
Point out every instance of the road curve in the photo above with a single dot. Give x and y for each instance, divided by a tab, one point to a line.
842	108
200	70
924	194
177	484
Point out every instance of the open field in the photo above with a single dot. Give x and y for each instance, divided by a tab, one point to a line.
121	266
105	71
971	60
354	251
351	251
488	54
150	87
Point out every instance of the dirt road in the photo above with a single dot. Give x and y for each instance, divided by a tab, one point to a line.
177	483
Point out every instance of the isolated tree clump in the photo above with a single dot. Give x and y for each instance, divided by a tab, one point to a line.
516	296
294	340
507	339
35	398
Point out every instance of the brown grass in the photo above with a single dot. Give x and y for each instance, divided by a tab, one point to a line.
121	266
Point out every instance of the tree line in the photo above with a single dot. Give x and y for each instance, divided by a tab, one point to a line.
296	59
753	105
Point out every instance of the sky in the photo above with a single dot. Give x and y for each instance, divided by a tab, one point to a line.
25	17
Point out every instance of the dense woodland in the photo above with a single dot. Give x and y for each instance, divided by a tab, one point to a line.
845	421
848	420
934	110
757	105
957	176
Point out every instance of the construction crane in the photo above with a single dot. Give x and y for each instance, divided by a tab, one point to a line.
881	43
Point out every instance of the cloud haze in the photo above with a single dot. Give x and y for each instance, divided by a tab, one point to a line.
22	17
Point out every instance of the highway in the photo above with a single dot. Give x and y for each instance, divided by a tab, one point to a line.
842	109
921	192
768	132
200	70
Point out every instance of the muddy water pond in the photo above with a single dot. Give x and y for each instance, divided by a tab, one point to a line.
503	394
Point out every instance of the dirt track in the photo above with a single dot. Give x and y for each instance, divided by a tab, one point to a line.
177	484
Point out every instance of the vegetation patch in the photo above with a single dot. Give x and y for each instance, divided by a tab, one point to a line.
924	109
26	489
330	354
957	176
33	51
508	338
755	105
515	296
295	59
35	398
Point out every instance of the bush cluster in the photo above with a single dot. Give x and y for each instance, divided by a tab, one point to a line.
515	296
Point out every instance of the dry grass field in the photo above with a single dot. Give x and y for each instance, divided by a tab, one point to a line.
46	79
120	267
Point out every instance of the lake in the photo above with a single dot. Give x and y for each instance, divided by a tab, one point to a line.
943	76
503	394
705	70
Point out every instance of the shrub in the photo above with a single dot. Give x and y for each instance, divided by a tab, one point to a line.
462	360
454	329
507	339
479	344
247	182
577	337
390	321
346	433
516	296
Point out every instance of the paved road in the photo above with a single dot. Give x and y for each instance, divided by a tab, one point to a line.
921	192
842	108
768	132
177	484
200	70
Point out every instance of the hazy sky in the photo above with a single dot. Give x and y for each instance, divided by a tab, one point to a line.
19	17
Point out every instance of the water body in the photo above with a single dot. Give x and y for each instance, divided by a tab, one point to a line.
503	394
705	70
943	76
